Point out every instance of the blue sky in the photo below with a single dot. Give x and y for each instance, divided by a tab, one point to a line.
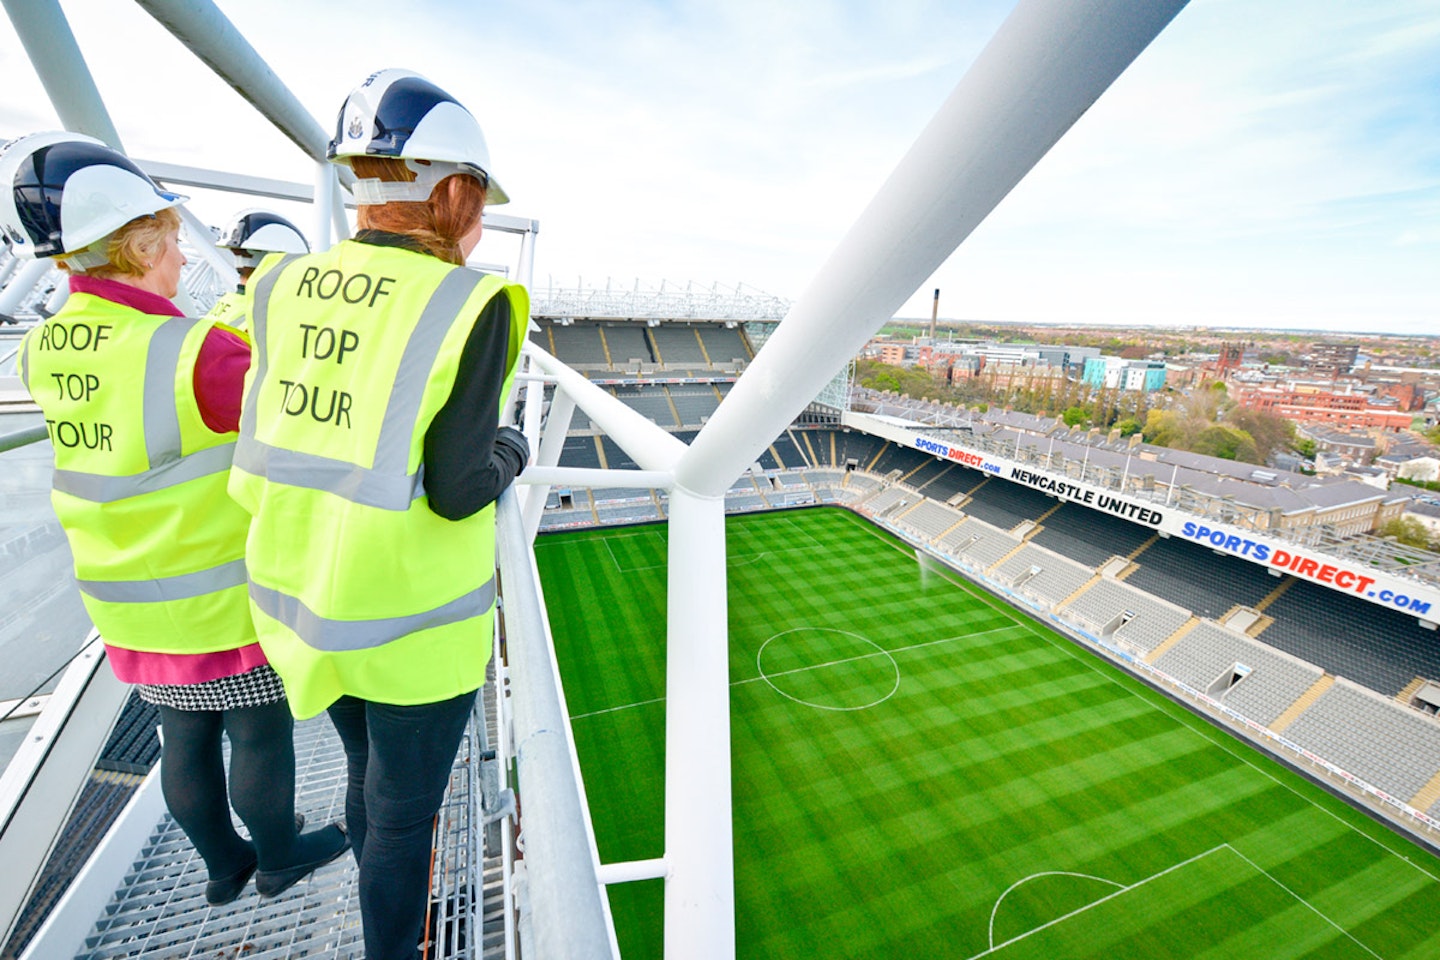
1272	164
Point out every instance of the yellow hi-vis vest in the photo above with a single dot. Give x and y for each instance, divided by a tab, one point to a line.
139	482
233	310
356	586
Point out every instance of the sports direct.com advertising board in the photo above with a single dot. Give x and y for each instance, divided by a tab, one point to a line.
1368	583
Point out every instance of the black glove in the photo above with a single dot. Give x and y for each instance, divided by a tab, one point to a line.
511	445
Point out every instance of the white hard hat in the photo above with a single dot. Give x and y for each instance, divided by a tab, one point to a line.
398	113
62	192
254	232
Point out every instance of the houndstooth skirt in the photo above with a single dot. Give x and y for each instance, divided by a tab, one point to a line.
253	688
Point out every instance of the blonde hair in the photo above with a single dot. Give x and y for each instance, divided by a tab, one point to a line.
439	223
131	250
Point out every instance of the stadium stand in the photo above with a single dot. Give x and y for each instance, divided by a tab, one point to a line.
626	342
724	345
1005	504
1206	658
677	345
577	344
1196	577
1042	575
929	519
790	456
978	543
1089	536
650	402
615	458
695	403
955	479
894	457
1375	739
1109	608
926	471
1349	637
891	500
580	452
860	448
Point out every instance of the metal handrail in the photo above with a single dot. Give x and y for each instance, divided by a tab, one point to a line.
20	438
562	886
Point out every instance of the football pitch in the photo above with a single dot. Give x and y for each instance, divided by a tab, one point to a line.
921	770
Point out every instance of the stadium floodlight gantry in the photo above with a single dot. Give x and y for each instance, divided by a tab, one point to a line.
1046	65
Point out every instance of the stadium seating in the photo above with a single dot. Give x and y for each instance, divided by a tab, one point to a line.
1111	608
889	498
694	402
895	457
929	519
580	452
1373	738
1005	504
1210	652
978	543
627	342
1349	637
1088	536
677	345
616	458
650	402
724	345
577	344
859	447
928	470
1194	576
952	480
790	456
1042	575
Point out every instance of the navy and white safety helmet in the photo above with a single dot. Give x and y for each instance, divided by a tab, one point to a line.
255	232
398	113
63	194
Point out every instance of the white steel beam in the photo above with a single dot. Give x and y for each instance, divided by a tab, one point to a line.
1046	65
650	445
699	849
211	36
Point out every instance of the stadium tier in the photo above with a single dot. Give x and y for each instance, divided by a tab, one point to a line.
1088	537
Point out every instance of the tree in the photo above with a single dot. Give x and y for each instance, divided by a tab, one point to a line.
1407	531
1270	431
1128	426
1226	442
1073	416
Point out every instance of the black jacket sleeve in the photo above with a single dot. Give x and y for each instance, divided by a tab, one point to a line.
465	467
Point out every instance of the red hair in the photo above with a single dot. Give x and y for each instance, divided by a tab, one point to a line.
439	223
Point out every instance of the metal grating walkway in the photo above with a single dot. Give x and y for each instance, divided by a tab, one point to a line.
159	912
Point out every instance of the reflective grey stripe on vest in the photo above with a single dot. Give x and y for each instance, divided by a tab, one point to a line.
23	362
161	425
387	484
99	488
182	587
334	636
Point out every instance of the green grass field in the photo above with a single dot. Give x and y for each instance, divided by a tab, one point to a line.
922	771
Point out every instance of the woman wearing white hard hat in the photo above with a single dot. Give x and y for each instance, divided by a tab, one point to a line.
249	236
371	454
142	407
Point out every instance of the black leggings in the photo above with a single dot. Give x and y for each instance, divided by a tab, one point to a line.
261	788
399	761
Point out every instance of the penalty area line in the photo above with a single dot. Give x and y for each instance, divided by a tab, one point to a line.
1096	903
